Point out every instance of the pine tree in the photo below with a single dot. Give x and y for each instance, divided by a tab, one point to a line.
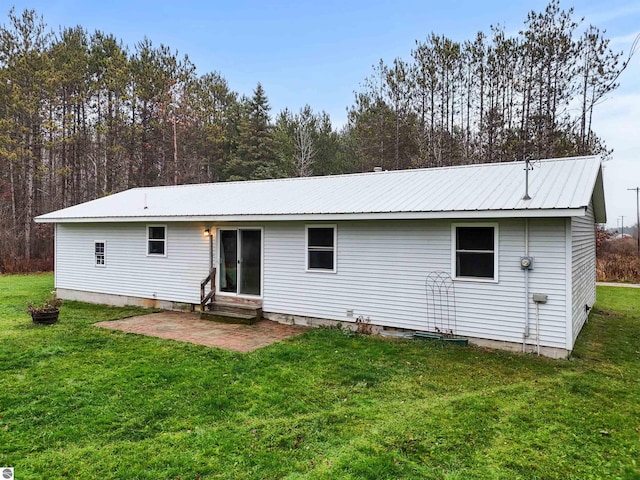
255	157
27	73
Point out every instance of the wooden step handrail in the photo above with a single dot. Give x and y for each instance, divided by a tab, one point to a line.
212	291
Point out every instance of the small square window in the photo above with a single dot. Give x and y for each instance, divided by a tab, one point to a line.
157	240
475	251
321	248
99	251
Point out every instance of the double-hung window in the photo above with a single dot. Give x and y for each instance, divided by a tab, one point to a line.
475	254
157	240
321	248
100	252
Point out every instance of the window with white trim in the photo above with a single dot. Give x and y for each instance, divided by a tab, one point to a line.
157	240
321	248
100	253
475	251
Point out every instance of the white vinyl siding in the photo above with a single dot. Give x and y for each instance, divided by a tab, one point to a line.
383	268
583	242
131	272
382	273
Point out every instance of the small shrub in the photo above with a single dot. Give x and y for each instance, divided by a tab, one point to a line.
602	237
49	305
363	325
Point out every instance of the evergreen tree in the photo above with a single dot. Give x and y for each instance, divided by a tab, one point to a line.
26	79
109	72
495	98
210	127
255	157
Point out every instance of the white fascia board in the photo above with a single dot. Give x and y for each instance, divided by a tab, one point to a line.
475	214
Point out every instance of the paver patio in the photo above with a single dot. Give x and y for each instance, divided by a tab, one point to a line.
188	327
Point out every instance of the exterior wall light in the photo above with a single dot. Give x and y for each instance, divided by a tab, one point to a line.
207	232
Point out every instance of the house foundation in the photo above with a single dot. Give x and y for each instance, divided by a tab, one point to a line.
123	301
551	352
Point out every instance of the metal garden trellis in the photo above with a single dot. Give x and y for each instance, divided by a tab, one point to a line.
441	304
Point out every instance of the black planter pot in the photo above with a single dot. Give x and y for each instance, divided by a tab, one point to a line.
45	318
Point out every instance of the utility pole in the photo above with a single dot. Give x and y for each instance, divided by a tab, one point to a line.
622	223
637	190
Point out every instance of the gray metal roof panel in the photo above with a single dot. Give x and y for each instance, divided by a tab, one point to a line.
554	184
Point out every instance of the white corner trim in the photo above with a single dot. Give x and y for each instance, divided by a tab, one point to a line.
569	284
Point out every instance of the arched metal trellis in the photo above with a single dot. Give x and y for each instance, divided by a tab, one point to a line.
441	304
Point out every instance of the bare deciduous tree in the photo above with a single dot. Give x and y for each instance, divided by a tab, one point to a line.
305	150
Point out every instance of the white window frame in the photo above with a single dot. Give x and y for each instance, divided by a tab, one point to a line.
104	254
165	240
454	251
335	248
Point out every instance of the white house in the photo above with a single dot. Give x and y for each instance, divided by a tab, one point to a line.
339	248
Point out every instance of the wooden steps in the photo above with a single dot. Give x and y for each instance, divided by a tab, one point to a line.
227	312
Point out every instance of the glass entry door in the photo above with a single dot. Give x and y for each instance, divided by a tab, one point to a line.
240	261
229	261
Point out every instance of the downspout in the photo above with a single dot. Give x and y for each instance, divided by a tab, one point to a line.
55	255
525	335
538	327
210	249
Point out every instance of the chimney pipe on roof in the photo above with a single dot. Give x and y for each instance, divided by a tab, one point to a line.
526	179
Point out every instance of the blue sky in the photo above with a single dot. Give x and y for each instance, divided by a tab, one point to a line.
319	52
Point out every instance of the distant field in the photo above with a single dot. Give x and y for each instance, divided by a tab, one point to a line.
82	402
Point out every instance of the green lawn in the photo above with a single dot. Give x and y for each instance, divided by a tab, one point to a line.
77	401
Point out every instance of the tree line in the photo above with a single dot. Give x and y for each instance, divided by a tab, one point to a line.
82	115
493	98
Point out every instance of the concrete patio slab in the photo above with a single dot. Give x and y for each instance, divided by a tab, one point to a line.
188	327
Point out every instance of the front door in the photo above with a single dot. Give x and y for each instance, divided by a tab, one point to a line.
240	261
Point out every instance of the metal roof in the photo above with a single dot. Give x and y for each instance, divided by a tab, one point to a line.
558	187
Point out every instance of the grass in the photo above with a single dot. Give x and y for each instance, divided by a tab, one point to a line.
81	402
